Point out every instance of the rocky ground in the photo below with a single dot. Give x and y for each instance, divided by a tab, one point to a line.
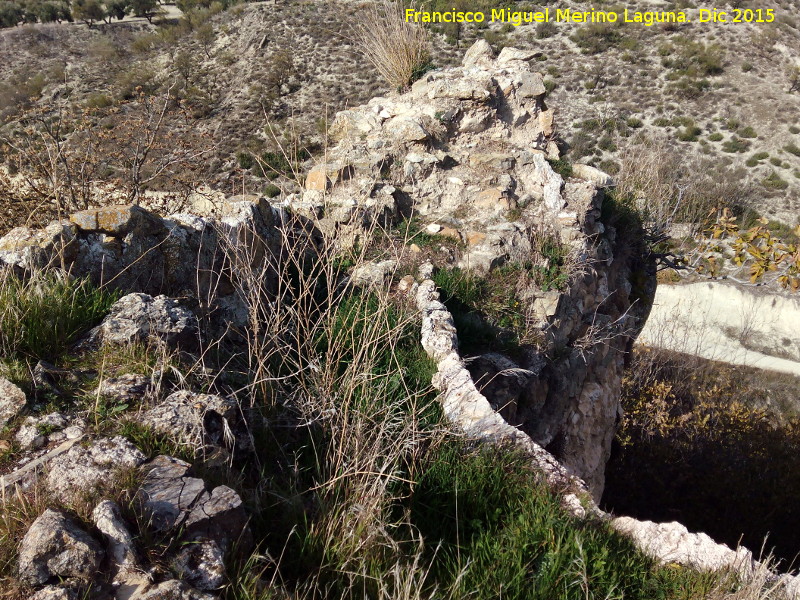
123	489
453	196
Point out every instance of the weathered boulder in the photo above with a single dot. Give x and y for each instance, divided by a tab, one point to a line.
372	274
29	248
219	515
55	546
199	420
138	317
12	401
35	432
509	54
108	520
590	173
209	522
174	500
118	221
83	470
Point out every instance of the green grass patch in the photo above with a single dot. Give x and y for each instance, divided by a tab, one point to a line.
487	313
42	315
497	531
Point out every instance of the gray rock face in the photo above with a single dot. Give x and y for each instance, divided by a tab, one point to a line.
202	564
12	401
220	516
55	546
167	494
373	274
199	420
210	523
175	500
83	469
136	317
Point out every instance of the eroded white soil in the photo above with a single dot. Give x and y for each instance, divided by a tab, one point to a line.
727	322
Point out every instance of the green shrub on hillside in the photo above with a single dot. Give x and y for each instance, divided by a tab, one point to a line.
773	181
735	145
595	38
792	148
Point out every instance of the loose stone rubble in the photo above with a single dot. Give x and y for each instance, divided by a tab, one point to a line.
84	469
201	420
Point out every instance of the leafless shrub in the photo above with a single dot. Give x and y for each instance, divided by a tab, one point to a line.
666	188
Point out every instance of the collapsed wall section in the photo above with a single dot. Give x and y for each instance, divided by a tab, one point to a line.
469	152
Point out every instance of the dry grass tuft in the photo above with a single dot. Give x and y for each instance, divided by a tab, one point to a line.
396	48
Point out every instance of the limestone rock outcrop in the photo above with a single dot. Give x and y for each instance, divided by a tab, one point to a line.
209	522
140	317
82	470
200	420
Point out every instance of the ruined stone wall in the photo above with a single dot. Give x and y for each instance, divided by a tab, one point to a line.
200	258
467	151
